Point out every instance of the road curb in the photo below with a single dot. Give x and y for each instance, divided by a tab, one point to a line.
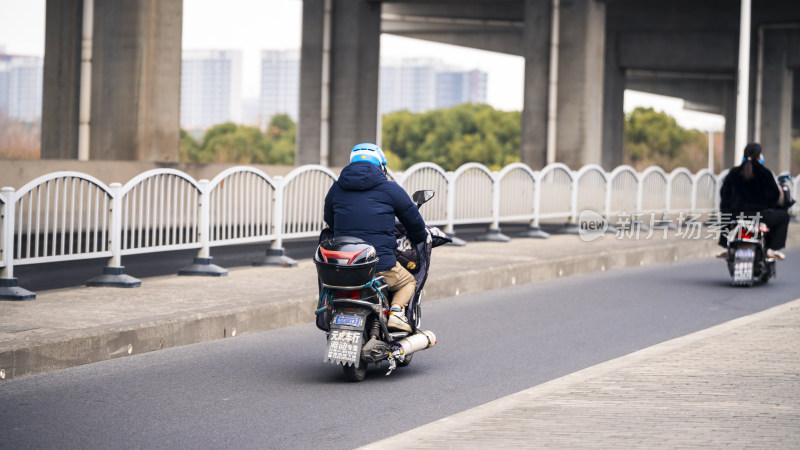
73	348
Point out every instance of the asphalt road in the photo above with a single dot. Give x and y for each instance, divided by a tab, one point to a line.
272	390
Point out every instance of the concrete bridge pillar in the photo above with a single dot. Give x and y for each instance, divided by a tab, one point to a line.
338	109
775	109
729	113
62	75
613	99
536	48
580	83
136	76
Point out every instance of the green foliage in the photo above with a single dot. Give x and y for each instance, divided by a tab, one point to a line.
281	134
241	144
655	138
452	137
189	146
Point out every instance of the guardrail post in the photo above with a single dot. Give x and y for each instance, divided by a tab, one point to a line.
114	273
449	229
611	229
202	264
638	222
571	227
493	234
276	255
534	230
9	286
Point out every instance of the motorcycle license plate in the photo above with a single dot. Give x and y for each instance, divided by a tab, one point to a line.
343	319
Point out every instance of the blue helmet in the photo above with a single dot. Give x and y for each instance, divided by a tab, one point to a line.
370	153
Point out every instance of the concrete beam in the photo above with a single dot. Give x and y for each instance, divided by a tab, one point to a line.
507	39
61	86
702	92
136	80
491	10
481	25
679	51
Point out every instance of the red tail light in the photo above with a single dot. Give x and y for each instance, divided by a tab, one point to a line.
347	294
745	234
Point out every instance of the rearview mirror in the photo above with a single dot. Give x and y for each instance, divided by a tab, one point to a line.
421	197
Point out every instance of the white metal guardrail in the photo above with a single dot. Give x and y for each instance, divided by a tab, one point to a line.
70	216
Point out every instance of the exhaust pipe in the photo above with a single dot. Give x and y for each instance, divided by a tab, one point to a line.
416	342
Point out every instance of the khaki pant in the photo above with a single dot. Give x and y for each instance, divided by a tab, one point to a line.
401	283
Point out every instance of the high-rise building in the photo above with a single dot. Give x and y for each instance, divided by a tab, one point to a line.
419	85
21	87
455	88
408	85
280	84
211	87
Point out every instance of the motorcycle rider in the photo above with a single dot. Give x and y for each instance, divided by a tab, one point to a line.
363	203
749	190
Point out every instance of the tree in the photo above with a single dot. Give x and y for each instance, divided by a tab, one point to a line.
281	133
240	144
655	138
189	147
452	137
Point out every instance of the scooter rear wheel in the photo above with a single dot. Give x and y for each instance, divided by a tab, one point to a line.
356	374
406	361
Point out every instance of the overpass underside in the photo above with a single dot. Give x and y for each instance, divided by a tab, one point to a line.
572	113
681	48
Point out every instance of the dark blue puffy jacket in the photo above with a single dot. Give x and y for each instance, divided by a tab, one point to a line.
363	204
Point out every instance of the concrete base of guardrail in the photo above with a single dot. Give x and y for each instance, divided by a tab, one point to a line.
114	277
203	267
493	235
534	233
276	257
458	242
10	290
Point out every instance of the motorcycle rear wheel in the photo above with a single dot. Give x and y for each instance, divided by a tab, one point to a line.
356	374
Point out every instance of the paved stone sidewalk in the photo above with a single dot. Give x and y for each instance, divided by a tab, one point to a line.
734	385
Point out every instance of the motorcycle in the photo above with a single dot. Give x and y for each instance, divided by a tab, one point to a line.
353	306
747	259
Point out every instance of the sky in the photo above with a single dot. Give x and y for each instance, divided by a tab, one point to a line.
254	25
